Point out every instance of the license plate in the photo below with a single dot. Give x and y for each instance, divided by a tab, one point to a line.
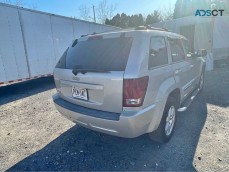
79	93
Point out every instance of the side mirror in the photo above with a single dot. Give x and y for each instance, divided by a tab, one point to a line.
201	53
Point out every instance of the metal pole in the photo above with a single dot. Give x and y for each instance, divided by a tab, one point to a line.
94	13
213	6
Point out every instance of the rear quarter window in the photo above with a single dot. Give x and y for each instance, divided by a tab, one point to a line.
158	55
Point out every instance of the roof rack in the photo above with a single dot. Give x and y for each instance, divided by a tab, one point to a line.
89	34
94	33
147	27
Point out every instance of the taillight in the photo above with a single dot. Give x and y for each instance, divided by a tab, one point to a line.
134	91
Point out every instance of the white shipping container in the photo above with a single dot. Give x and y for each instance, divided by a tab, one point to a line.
13	64
32	42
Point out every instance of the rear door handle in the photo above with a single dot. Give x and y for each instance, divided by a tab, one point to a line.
191	66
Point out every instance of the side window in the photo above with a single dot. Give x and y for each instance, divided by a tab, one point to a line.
177	50
158	55
187	48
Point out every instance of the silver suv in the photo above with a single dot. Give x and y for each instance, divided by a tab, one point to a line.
128	83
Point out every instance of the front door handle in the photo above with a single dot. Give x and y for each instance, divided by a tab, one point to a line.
191	66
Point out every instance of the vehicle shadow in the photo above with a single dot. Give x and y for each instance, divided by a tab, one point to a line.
80	149
21	90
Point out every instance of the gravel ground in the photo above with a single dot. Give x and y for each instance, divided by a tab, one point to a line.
34	136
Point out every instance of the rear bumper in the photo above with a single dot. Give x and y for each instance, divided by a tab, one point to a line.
128	124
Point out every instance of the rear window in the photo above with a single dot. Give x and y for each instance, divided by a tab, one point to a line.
101	54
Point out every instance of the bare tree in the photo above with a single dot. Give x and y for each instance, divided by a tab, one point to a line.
6	1
84	12
167	12
105	11
33	6
18	3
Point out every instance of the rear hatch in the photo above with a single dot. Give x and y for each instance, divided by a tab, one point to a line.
90	73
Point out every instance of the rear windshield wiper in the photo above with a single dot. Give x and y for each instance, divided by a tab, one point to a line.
83	71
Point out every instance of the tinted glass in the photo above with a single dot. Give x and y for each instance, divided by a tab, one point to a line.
62	62
102	54
177	51
187	46
158	52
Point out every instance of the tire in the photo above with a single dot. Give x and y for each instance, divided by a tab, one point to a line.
201	82
163	134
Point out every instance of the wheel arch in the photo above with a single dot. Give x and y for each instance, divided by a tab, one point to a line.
175	93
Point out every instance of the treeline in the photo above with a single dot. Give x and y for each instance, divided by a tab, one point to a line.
126	21
183	8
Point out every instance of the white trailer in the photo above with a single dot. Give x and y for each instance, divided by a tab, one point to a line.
31	42
210	33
